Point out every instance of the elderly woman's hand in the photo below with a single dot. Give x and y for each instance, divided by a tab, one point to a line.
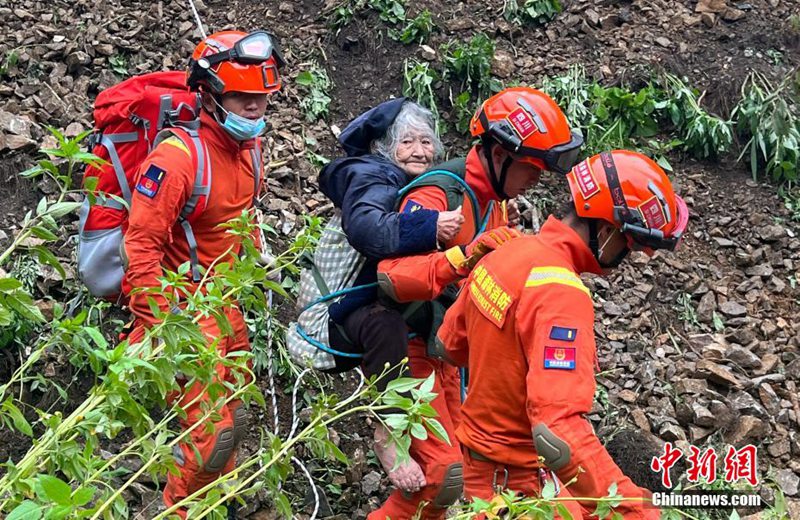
512	213
448	225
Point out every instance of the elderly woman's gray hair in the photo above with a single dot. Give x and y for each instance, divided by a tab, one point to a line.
412	118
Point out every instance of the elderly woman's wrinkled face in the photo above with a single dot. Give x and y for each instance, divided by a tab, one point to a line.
414	153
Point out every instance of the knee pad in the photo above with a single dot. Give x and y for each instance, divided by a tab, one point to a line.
452	486
240	424
221	452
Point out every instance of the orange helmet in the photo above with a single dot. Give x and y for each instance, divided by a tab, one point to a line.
529	123
631	192
234	61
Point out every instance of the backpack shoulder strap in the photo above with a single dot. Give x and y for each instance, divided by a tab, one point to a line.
199	152
449	177
201	187
258	168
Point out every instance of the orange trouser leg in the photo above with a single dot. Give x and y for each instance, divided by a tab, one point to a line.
215	444
433	455
483	479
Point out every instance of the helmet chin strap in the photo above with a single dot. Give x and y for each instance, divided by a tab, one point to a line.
498	183
596	249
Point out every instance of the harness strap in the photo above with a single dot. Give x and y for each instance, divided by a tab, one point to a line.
192	241
108	141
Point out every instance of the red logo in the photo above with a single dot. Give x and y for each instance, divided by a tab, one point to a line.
522	122
738	464
586	181
653	213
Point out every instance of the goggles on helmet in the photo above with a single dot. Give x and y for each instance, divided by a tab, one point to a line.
633	225
254	48
560	158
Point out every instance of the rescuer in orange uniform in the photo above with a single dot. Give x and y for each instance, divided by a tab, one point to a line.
234	72
525	304
522	133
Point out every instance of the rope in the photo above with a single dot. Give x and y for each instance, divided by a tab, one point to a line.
270	362
197	19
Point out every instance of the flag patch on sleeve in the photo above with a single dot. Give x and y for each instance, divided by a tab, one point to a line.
562	358
150	182
563	333
412	206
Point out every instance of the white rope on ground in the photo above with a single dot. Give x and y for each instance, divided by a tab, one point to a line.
313	487
271	377
295	417
197	18
270	366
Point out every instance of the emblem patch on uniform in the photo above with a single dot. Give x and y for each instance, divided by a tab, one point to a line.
563	333
522	122
586	181
412	206
562	358
150	182
653	213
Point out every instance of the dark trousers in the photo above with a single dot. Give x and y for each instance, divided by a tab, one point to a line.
379	334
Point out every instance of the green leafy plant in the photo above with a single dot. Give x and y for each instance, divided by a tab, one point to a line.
470	64
390	11
119	64
686	311
418	80
536	12
317	84
343	13
9	61
768	117
703	135
416	30
463	110
620	117
512	506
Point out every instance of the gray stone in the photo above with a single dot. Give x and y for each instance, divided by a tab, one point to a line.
769	398
724	242
746	404
733	309
762	270
771	233
503	64
696	433
788	481
717	373
612	309
15	124
706	307
691	386
747	428
779	448
370	483
743	357
702	416
671	432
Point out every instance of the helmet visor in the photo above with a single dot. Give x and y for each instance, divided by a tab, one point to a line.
560	158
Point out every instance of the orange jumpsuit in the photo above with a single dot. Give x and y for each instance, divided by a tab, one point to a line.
524	325
155	241
422	278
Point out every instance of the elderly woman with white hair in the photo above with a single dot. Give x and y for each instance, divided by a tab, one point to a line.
386	148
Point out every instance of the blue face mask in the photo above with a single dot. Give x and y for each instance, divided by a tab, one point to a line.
242	128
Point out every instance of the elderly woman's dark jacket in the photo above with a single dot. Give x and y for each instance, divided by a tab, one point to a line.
364	187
